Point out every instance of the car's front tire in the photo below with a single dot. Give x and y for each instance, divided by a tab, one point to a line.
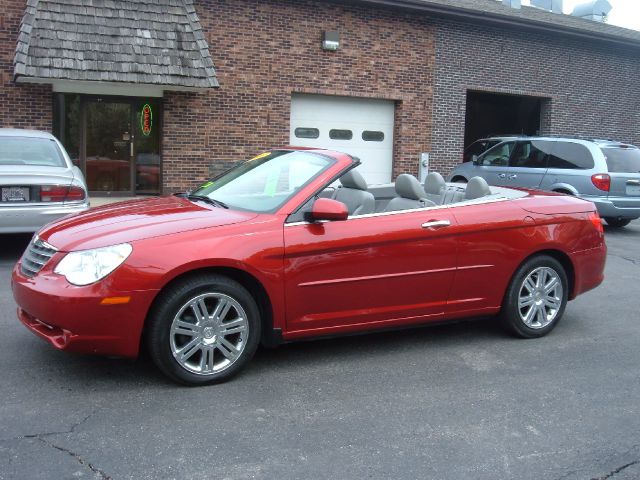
203	329
536	297
614	222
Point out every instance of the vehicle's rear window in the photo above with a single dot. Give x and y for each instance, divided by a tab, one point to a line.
569	155
30	151
622	160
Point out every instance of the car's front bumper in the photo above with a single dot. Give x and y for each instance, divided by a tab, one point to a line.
78	319
31	217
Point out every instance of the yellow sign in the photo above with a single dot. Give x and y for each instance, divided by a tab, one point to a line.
262	155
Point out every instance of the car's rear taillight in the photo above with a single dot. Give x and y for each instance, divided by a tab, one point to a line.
601	181
597	222
61	193
75	194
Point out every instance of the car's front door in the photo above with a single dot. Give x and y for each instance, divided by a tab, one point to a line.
493	165
368	271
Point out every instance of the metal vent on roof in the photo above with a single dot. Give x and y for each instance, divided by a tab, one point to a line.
595	10
554	6
512	3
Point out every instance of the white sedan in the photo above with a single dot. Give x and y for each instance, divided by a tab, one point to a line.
38	181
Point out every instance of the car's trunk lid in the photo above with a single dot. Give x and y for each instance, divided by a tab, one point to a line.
20	184
549	203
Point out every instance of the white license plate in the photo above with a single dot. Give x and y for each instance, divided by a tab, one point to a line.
15	194
633	190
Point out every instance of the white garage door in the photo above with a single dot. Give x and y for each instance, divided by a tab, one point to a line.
360	127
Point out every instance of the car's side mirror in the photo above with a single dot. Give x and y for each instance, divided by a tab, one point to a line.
474	159
328	209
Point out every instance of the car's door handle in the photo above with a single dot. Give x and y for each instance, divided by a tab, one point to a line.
502	175
436	224
633	182
513	176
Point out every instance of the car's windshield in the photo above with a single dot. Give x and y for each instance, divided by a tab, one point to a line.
622	160
30	151
264	183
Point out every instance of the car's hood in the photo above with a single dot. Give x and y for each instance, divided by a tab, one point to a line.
34	175
136	220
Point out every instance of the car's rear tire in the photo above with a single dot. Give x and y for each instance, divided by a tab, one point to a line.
203	329
536	297
614	222
459	180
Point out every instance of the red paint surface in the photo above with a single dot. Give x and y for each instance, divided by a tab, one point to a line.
323	278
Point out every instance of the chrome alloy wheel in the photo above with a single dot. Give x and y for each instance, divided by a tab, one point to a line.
540	297
209	333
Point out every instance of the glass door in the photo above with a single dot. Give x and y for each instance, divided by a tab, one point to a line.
108	144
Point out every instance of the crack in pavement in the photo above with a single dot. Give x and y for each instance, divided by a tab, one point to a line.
617	470
80	460
42	437
61	432
628	259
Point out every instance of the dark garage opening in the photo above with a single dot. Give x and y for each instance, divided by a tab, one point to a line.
491	114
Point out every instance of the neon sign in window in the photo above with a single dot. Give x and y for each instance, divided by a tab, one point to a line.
146	120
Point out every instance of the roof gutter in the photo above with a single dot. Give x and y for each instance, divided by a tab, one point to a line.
490	18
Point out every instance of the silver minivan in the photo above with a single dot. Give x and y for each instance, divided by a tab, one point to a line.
604	172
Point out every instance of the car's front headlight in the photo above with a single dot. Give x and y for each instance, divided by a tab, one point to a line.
88	266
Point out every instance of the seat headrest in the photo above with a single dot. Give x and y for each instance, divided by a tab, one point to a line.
476	188
353	179
434	183
408	186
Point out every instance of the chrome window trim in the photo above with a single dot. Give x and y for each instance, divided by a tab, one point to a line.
464	203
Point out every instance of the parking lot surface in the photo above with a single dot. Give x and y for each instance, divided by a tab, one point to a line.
460	401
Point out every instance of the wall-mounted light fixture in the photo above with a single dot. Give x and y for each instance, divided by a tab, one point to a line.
331	41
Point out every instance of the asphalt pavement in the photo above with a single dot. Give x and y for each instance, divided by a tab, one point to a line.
461	401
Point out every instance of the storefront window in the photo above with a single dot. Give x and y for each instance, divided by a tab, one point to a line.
67	124
114	140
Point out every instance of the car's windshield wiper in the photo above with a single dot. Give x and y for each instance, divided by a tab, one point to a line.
204	198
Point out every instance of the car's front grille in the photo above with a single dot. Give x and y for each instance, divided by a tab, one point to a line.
36	256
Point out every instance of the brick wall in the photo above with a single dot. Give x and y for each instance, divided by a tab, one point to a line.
591	89
21	106
264	50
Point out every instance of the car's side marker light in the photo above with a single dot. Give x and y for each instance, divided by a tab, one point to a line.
597	222
115	300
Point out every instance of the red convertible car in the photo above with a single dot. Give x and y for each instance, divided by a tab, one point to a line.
271	252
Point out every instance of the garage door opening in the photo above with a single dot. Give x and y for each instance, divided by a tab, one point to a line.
491	114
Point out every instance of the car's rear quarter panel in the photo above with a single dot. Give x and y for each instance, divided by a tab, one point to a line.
495	238
492	240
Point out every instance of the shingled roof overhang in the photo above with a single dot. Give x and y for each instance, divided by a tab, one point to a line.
495	13
158	43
